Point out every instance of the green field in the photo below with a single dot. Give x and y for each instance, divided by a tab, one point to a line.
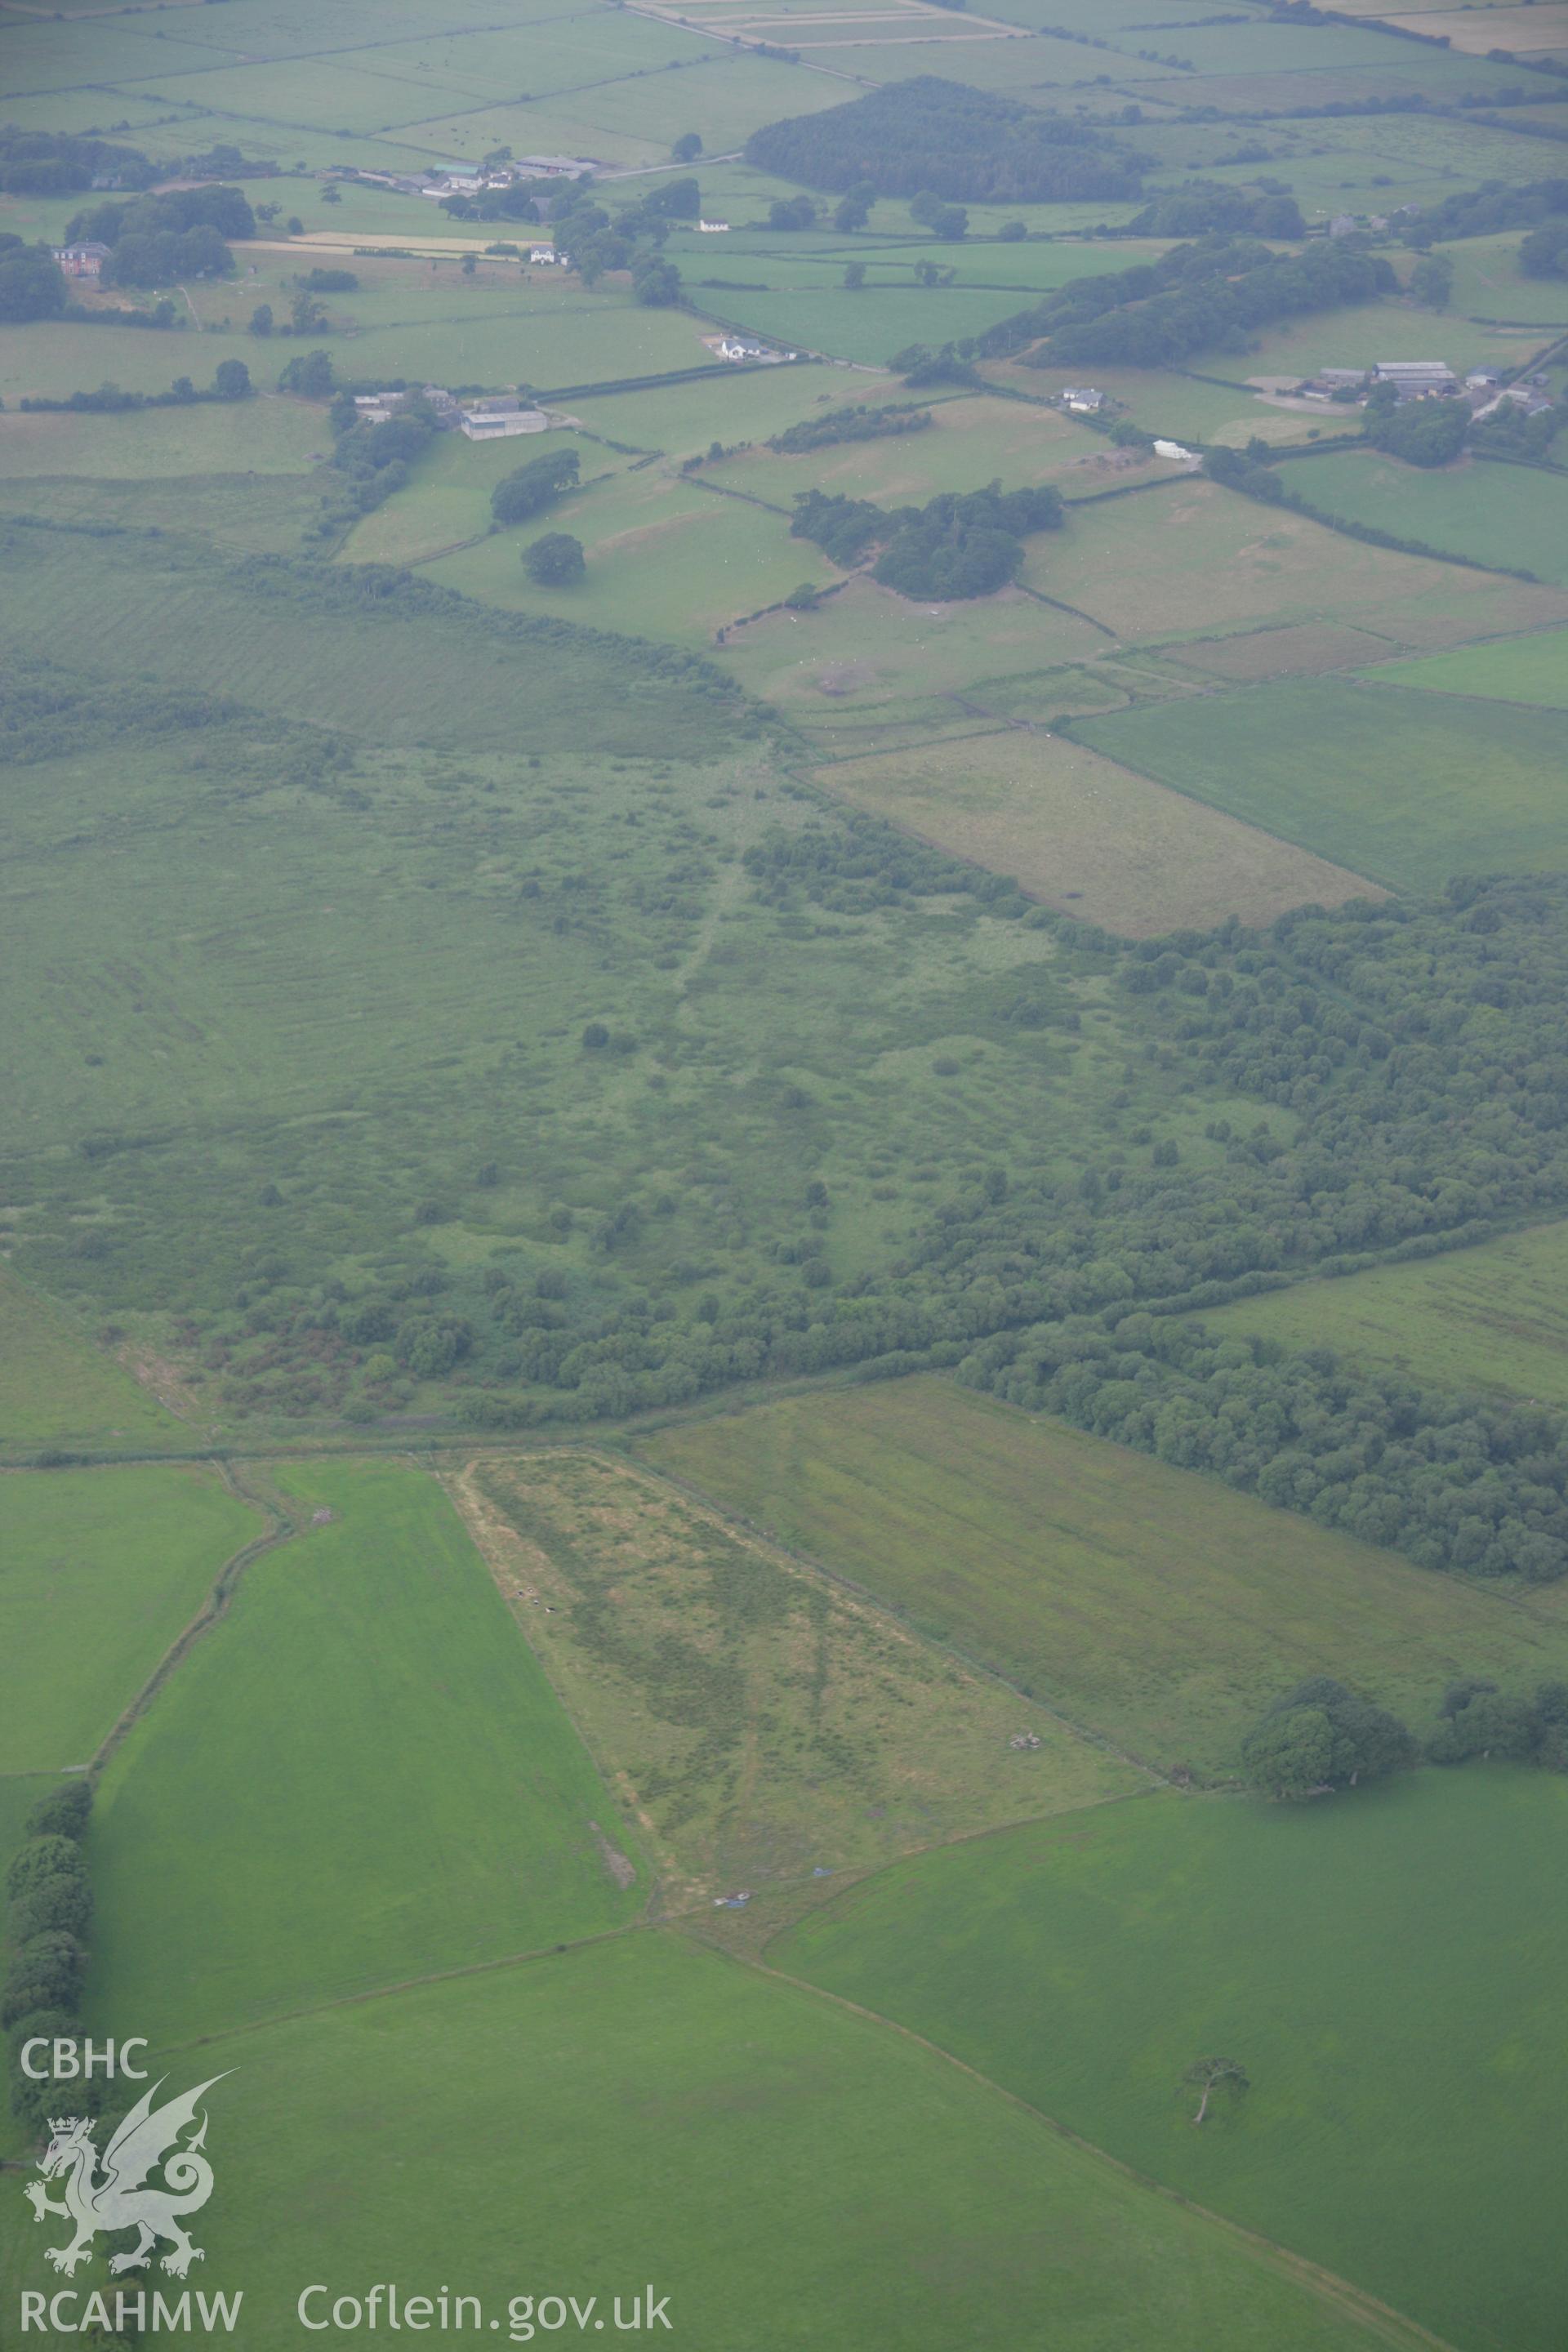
1495	1316
58	1388
767	2160
668	2101
1384	1966
359	1777
102	1571
1151	1603
665	558
1493	513
1404	788
1510	670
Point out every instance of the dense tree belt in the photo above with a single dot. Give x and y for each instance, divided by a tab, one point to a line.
926	134
959	544
1216	291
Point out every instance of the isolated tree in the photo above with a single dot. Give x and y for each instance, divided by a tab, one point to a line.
855	277
656	283
533	488
1209	2075
1289	1756
31	286
310	375
1322	1735
1432	281
232	381
687	147
331	195
307	313
261	319
854	209
556	561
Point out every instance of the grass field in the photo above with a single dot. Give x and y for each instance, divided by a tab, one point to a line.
646	2111
1087	1964
1513	515
1087	837
58	1388
1495	1316
969	442
665	558
271	437
103	1569
1518	669
359	1777
867	653
1405	788
764	1725
1193	559
1152	1604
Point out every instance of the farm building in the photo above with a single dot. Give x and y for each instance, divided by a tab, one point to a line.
501	420
1483	379
713	228
1418	379
82	260
745	351
544	257
1087	399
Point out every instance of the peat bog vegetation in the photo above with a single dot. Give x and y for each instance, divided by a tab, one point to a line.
783	1284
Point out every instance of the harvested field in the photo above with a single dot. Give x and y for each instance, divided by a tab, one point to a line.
762	1722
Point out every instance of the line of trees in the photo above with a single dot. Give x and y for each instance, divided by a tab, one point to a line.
1205	208
851	425
50	1909
230	381
55	163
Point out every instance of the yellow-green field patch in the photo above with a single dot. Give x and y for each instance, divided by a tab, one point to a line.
1495	1316
1152	1604
1087	837
58	1388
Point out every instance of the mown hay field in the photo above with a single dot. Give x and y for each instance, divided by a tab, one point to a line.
103	1569
360	1775
1382	1965
1409	789
1154	1605
1495	1316
1492	513
1190	559
968	443
1086	836
648	2111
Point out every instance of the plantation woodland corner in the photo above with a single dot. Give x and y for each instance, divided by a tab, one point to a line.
783	1232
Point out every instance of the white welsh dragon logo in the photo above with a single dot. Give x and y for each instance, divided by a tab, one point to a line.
115	2198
